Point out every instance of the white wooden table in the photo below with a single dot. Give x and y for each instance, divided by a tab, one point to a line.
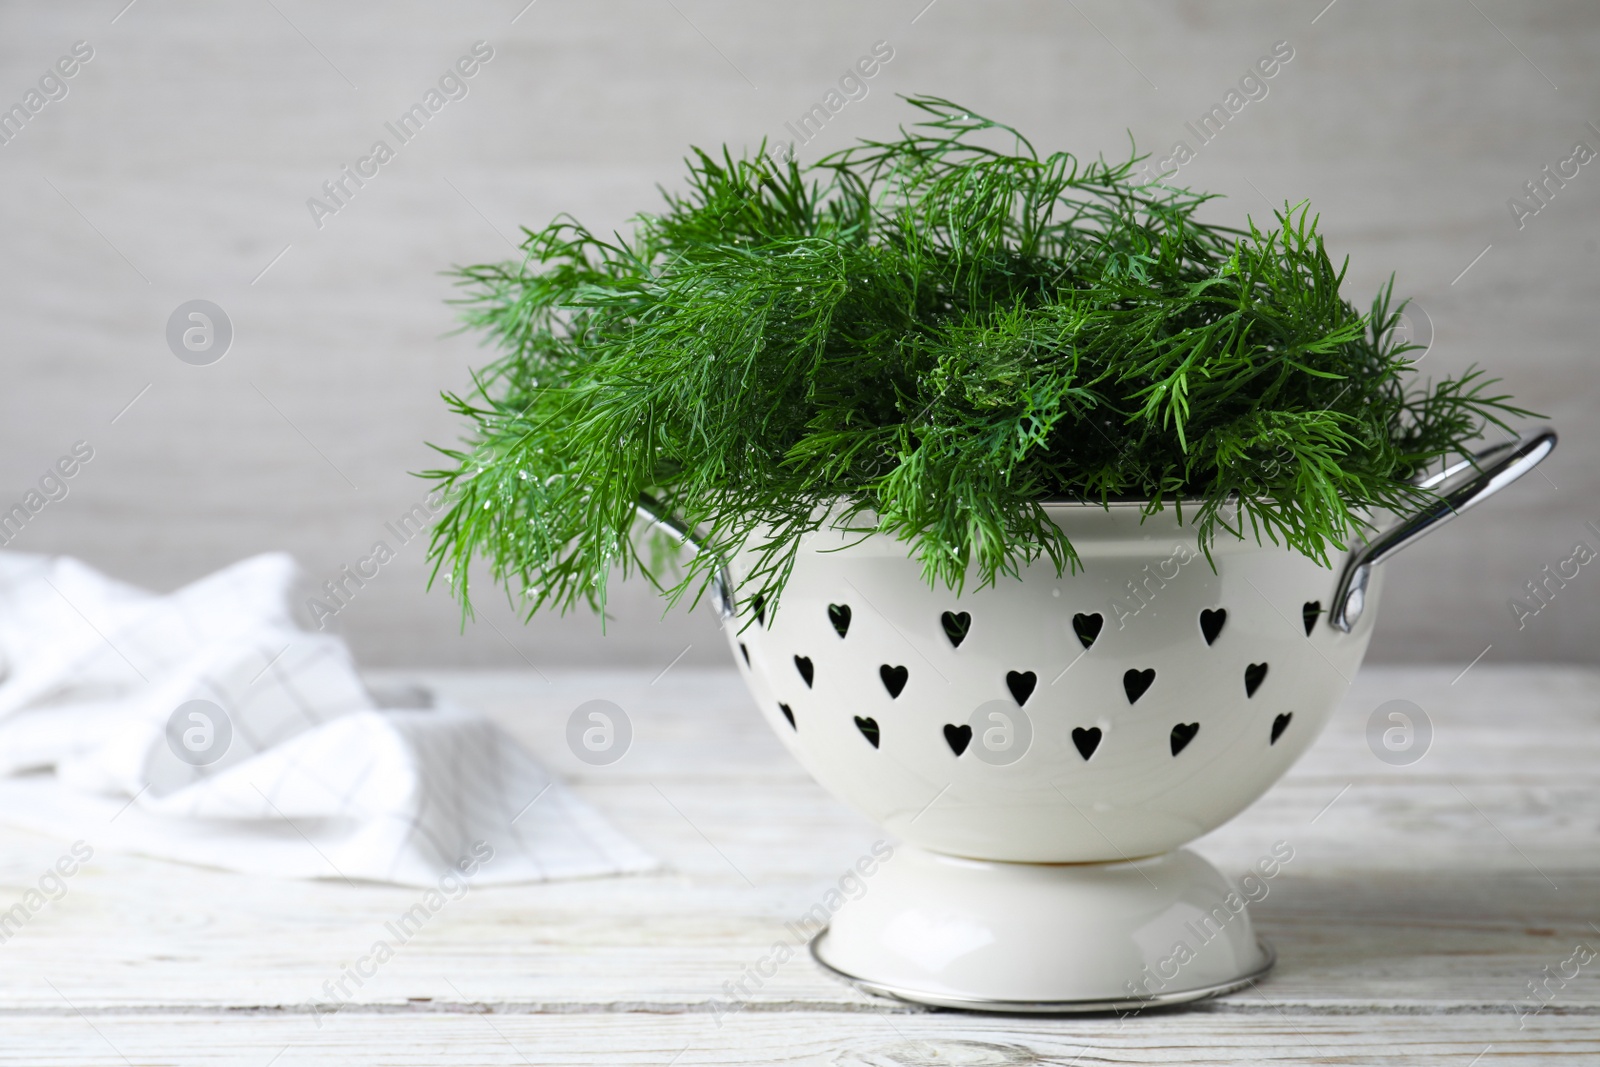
1420	903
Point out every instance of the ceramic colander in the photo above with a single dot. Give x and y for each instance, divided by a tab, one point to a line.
1096	718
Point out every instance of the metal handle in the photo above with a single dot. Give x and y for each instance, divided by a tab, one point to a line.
1459	487
650	508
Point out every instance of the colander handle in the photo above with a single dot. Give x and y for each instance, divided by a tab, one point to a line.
1458	487
648	507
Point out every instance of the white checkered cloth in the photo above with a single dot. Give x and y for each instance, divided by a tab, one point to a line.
317	780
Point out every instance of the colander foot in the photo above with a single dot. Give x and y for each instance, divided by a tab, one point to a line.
1044	938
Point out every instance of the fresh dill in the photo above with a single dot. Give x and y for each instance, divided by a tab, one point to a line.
928	337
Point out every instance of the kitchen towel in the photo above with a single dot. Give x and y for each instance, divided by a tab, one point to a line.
209	726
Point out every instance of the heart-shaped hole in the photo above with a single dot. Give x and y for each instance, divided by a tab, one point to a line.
1134	683
745	652
956	625
758	604
803	665
894	678
1254	675
1182	734
1086	740
1309	612
788	713
958	738
1211	624
1087	627
869	729
839	615
1280	724
1021	684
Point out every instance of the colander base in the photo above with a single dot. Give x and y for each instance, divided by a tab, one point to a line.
1048	1007
1044	938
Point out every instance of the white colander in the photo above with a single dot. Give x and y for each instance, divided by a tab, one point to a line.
1118	712
1087	722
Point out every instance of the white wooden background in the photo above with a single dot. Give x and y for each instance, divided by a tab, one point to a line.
1419	903
180	164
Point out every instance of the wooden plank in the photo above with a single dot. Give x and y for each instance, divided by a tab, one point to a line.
131	934
1422	899
423	1036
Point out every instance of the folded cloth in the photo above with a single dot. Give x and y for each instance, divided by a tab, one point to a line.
207	726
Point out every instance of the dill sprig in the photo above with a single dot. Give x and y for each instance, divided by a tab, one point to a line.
926	337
